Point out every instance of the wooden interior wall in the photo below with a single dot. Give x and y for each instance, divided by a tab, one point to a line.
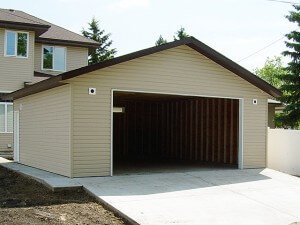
202	129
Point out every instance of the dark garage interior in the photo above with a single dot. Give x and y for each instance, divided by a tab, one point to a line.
152	131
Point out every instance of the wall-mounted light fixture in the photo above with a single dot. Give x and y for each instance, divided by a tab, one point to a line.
119	109
92	91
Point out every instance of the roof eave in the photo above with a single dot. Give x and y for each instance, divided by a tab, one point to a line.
191	42
197	46
37	28
34	88
39	74
67	42
121	59
234	67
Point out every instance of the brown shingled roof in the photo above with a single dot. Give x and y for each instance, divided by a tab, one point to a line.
53	35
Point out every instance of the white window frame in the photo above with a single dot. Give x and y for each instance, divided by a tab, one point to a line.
16	44
5	117
42	61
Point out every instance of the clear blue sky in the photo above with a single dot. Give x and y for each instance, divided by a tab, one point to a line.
236	28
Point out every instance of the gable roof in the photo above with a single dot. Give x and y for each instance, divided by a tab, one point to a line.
190	41
47	33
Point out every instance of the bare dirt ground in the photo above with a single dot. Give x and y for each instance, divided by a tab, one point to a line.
25	201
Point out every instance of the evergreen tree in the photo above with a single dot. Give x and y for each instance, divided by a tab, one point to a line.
104	52
161	41
180	34
291	80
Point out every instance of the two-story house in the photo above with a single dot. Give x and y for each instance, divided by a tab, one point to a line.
32	49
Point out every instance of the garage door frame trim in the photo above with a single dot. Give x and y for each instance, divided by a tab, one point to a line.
241	119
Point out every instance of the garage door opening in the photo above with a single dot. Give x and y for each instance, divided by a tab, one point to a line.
159	132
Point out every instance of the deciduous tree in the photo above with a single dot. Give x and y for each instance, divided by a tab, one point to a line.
272	71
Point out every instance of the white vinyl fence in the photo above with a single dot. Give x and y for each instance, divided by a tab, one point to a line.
284	151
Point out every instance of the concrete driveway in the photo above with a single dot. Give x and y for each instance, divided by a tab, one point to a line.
202	197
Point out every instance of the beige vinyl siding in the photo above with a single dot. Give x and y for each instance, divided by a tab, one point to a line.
76	57
179	70
255	132
15	71
5	139
45	130
271	115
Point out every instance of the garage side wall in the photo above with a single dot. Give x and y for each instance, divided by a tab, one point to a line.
45	130
179	70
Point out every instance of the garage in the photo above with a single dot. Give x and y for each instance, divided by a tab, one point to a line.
153	132
178	105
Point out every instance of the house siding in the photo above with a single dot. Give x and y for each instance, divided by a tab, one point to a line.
179	70
271	115
76	57
5	139
15	71
45	130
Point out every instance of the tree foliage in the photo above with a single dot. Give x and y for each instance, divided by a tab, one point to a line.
161	41
272	71
291	79
104	52
179	35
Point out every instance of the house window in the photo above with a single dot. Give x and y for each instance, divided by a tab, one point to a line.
16	44
54	58
6	117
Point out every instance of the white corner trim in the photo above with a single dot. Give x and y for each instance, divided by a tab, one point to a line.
111	131
241	135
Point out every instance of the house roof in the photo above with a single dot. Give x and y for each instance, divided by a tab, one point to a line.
190	41
275	102
272	101
46	32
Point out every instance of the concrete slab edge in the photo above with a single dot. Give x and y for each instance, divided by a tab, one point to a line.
41	181
109	207
106	205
